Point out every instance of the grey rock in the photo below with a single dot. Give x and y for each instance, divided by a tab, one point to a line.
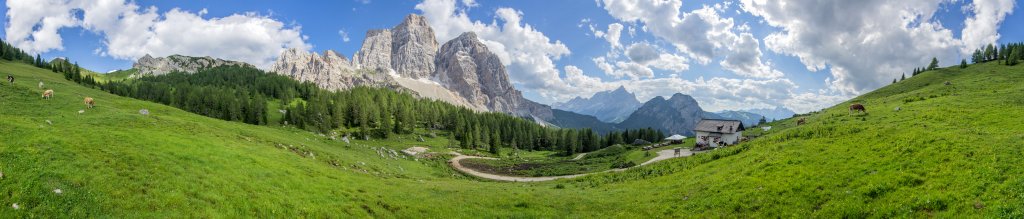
413	47
376	51
329	71
147	65
466	66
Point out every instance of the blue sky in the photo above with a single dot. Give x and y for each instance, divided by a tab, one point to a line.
806	57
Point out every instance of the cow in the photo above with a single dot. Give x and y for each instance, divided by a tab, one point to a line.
47	94
800	121
857	107
89	102
40	84
10	79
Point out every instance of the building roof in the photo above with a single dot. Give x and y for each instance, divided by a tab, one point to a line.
675	137
719	126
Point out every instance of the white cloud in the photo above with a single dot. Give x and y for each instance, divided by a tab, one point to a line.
648	55
701	34
981	29
863	43
613	34
528	54
129	32
344	35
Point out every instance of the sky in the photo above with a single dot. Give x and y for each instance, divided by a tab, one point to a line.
729	55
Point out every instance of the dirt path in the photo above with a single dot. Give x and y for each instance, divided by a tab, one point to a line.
662	155
579	156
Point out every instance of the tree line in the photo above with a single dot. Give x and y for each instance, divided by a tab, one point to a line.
237	93
1008	54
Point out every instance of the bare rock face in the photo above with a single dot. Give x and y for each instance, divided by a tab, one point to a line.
465	66
329	71
413	47
147	65
376	51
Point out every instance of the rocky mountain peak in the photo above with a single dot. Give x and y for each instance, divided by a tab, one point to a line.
607	106
466	66
376	51
413	47
676	115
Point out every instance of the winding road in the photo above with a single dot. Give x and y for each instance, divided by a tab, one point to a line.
662	155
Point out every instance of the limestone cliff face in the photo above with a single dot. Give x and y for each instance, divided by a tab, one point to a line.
413	47
147	65
330	70
465	66
376	51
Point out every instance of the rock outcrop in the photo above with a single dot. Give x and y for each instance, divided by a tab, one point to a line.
330	70
465	66
147	65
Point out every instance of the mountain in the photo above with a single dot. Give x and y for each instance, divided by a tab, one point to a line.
566	119
608	106
467	67
330	70
749	119
676	115
773	114
147	65
463	71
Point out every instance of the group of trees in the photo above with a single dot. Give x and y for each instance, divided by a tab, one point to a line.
1009	54
243	94
11	53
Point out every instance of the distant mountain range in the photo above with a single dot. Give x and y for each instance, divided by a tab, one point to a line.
749	119
608	106
773	114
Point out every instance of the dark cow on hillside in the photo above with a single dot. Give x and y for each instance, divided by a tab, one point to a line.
856	107
10	79
801	121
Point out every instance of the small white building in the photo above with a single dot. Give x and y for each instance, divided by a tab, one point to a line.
716	133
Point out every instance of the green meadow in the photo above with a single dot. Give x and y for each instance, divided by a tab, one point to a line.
949	151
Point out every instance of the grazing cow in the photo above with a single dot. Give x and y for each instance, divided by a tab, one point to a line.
47	94
801	121
40	85
89	102
10	78
857	107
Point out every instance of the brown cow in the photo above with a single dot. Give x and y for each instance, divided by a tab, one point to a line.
47	94
857	107
89	102
800	121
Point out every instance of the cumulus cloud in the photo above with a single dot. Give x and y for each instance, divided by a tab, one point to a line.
129	31
344	36
642	52
701	34
613	35
864	44
981	29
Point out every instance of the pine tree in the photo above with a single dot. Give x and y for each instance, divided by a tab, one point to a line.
934	64
963	63
903	77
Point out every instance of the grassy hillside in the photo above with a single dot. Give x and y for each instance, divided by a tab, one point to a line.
952	150
112	161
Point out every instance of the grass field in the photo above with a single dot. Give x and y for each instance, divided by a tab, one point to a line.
950	151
